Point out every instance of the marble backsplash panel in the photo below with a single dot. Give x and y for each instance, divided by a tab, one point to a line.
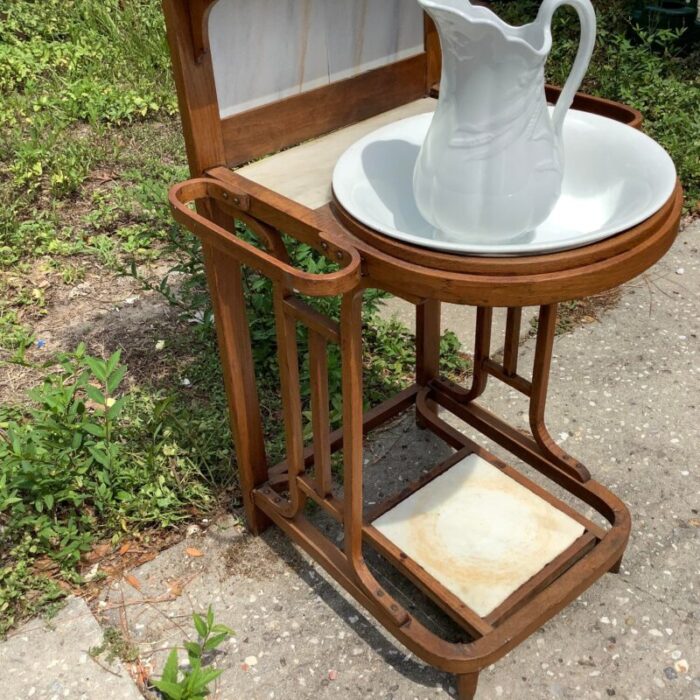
265	50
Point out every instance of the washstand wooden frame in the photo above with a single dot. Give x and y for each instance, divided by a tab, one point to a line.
277	494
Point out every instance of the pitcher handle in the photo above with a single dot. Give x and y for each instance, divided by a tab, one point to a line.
587	17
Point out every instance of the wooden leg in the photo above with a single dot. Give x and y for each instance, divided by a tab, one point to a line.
512	341
427	341
224	277
482	356
427	346
482	352
351	358
615	568
466	685
546	330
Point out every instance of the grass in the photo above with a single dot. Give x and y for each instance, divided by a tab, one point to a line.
92	414
89	145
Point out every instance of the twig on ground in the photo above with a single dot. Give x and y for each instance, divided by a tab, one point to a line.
102	666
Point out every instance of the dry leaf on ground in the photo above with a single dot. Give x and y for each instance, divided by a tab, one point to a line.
99	551
176	588
133	581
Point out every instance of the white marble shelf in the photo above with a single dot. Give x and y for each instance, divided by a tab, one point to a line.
478	532
304	173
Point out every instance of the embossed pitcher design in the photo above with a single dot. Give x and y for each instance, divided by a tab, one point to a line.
491	166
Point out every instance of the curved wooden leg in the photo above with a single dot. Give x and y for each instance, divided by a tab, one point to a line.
482	356
466	685
546	330
482	353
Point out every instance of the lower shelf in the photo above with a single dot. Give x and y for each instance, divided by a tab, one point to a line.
479	533
495	551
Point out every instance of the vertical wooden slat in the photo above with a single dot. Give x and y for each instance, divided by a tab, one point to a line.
318	361
427	346
288	360
512	343
351	357
546	330
427	341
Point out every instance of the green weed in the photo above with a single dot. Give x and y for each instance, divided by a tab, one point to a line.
70	72
23	591
115	646
87	461
193	683
15	338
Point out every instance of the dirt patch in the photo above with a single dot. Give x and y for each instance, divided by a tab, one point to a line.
15	380
251	558
104	311
572	314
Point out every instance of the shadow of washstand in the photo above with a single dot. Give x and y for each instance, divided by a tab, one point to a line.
396	657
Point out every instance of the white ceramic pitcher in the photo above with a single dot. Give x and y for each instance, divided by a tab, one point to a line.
491	166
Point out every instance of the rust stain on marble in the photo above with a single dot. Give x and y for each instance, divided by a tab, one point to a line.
360	34
479	532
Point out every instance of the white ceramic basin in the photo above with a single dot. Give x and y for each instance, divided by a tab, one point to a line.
615	178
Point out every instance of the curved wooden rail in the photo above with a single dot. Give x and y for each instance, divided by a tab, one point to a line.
237	203
419	273
514	282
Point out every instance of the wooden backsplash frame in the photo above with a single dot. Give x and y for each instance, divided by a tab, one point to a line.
212	141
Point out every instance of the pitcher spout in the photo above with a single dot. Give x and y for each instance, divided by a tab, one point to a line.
462	18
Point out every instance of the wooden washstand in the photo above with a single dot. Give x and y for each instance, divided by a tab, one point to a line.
297	105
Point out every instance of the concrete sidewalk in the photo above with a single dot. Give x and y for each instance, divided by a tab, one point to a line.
624	399
48	660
